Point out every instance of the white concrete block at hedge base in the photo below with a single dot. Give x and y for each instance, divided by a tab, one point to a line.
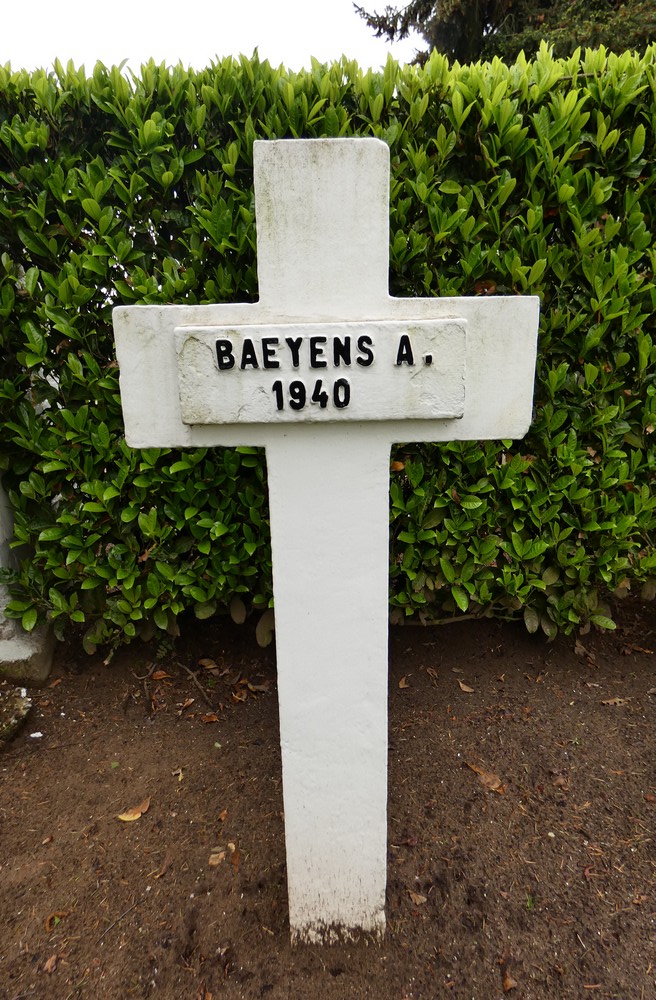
25	657
326	371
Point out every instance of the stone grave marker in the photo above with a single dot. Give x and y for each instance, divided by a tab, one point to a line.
326	371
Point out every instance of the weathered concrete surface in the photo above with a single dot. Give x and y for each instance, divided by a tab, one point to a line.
25	657
15	706
194	376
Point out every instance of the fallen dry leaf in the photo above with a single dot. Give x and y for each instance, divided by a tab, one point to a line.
223	815
210	717
397	466
136	812
235	854
581	650
157	705
178	773
403	683
57	681
262	688
417	898
166	864
465	687
648	797
241	695
51	964
55	918
614	701
159	675
216	857
508	982
490	781
208	664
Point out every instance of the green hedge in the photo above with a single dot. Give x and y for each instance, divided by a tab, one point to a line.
536	177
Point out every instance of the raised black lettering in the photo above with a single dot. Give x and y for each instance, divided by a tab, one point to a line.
294	345
341	393
317	359
276	389
319	394
269	359
248	355
224	356
341	351
297	395
404	355
365	345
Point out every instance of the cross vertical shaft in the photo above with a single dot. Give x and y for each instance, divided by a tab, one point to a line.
328	493
322	241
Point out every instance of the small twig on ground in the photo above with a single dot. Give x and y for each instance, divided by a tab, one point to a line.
76	988
198	684
9	753
452	620
143	677
119	918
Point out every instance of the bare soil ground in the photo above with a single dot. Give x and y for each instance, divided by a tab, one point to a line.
522	800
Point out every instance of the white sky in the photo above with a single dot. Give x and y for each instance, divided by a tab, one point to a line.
33	34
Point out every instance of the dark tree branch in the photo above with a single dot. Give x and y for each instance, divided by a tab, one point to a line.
470	29
397	23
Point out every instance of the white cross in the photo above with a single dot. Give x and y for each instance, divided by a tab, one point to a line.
381	370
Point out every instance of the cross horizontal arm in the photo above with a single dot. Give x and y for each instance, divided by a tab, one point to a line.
499	364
